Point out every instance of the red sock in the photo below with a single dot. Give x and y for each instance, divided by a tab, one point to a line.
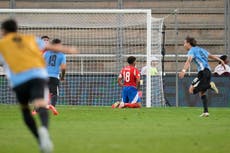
132	105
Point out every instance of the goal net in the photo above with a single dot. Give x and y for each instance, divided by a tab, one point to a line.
105	38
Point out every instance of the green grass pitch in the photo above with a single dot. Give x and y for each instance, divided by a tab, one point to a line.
104	130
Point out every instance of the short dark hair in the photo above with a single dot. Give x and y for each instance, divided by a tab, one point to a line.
131	59
10	25
191	40
223	57
43	37
56	41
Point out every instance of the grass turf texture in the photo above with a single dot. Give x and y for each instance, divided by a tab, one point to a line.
106	130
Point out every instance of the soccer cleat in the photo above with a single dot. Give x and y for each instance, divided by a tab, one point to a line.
116	104
53	109
34	112
213	87
46	144
206	114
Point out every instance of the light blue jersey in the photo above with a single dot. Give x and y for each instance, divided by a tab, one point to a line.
200	57
22	77
53	62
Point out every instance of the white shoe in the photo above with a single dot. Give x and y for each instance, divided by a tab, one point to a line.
46	145
213	87
204	114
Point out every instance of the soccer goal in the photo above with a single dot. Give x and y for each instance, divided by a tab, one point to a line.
105	38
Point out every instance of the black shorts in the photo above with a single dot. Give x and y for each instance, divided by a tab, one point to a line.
31	90
53	85
202	82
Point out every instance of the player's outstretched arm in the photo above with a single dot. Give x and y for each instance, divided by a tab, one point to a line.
217	58
61	48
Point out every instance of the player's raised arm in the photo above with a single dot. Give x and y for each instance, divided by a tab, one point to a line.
61	48
217	58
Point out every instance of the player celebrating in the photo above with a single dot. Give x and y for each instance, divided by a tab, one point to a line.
131	77
27	74
202	82
55	61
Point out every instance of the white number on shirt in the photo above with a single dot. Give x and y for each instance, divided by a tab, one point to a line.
126	76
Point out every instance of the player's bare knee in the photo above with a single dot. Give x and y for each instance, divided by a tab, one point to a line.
191	88
201	94
40	103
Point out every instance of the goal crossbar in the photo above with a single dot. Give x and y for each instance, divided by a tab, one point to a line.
86	11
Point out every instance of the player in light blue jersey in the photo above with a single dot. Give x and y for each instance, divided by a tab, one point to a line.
55	62
202	82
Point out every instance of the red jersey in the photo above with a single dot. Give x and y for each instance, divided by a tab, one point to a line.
129	74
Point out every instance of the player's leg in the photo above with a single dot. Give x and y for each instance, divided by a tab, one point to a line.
204	84
39	96
207	79
45	142
205	104
53	89
213	87
201	83
195	86
22	95
125	98
134	99
133	105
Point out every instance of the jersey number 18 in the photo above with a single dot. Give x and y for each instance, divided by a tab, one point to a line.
126	76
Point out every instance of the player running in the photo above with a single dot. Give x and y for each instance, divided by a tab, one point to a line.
26	71
55	62
202	82
131	82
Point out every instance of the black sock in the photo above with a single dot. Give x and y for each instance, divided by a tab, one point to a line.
29	120
54	100
44	117
205	103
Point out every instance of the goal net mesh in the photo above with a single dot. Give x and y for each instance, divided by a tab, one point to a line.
104	40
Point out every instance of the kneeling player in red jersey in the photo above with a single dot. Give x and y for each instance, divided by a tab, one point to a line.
131	82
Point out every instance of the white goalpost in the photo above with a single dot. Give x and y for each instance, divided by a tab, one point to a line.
105	38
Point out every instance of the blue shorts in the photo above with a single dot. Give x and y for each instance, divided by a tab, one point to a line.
130	95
